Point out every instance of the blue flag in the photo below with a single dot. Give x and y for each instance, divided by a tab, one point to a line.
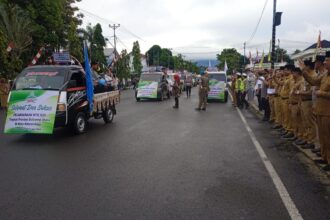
89	80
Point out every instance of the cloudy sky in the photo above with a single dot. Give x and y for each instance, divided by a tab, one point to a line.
202	28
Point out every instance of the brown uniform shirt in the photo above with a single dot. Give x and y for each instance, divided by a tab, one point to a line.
298	86
287	87
322	103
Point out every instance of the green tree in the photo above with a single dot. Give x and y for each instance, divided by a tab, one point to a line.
153	55
52	23
98	45
123	66
137	65
232	57
14	28
165	57
178	62
94	36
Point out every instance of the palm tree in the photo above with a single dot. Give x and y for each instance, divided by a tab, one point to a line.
16	27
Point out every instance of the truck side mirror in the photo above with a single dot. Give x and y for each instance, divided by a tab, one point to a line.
72	84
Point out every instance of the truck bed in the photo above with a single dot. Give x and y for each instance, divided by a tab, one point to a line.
104	100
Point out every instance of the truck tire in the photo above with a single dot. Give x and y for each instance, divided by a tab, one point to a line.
226	96
137	99
108	115
80	123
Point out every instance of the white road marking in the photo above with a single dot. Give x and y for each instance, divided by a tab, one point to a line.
283	192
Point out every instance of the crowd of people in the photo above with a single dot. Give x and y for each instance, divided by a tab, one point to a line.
295	99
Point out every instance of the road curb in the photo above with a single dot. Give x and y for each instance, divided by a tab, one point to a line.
307	152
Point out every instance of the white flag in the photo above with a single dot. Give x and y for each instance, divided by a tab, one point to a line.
226	67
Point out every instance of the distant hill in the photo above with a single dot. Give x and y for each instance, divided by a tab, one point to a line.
206	62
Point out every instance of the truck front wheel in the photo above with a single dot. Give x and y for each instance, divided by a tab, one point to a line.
80	123
108	115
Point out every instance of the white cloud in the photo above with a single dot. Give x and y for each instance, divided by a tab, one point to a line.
195	26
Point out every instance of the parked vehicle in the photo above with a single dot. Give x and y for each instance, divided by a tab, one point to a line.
152	85
44	97
218	86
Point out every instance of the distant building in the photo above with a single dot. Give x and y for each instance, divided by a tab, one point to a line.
109	54
310	52
143	62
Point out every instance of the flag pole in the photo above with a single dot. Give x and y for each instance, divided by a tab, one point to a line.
273	36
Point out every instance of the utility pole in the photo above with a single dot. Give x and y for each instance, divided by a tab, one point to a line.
273	36
244	54
114	27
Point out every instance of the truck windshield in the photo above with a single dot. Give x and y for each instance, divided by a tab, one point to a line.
151	77
218	77
40	79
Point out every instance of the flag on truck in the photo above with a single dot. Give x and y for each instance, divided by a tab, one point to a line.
89	80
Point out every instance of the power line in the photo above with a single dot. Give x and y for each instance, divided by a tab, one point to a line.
257	26
106	21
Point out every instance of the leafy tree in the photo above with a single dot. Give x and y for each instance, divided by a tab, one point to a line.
137	65
282	54
123	66
153	55
94	36
232	57
165	57
297	51
178	62
15	28
98	45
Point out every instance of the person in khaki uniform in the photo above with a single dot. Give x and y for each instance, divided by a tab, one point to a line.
203	91
322	106
277	99
287	84
294	101
307	115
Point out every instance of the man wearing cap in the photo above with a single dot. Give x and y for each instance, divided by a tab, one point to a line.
286	84
322	106
239	89
203	91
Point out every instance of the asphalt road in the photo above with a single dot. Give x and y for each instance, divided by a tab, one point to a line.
155	162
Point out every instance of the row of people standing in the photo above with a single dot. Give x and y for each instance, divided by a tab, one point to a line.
297	101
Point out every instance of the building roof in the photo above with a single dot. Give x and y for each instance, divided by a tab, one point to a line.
324	44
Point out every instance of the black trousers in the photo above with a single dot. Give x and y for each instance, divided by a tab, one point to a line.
243	100
188	91
265	107
239	99
176	101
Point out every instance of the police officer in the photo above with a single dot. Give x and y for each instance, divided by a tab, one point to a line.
203	91
239	89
